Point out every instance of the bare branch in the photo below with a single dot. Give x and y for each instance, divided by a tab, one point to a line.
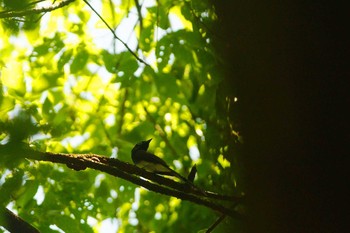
115	35
9	14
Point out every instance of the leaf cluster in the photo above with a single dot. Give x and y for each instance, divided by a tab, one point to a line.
65	92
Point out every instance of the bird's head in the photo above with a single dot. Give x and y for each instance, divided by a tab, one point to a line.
142	145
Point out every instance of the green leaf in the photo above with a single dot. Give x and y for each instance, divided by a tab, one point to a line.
67	224
186	12
110	61
47	107
146	38
79	61
167	86
162	14
46	81
26	193
12	183
126	67
127	64
64	59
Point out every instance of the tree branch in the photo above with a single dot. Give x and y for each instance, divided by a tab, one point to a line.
130	173
115	35
14	223
212	227
9	14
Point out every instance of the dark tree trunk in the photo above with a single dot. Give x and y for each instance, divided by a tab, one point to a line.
288	62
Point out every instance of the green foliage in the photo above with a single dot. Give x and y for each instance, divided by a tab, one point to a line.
62	91
27	22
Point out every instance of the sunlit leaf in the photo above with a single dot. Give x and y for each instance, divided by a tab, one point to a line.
79	60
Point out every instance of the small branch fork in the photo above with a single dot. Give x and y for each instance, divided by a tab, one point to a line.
132	173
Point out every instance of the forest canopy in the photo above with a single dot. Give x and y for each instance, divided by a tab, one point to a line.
81	83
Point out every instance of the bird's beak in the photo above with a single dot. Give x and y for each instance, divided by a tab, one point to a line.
149	140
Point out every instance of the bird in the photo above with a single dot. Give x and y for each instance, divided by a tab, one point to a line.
151	162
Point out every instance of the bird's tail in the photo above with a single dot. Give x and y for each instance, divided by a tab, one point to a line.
170	172
188	181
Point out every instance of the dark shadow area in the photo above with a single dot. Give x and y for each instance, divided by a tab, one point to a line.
288	62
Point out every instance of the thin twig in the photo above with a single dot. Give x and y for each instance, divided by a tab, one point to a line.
212	227
115	35
8	14
111	5
138	8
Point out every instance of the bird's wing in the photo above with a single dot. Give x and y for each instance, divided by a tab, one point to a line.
153	163
149	157
150	162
